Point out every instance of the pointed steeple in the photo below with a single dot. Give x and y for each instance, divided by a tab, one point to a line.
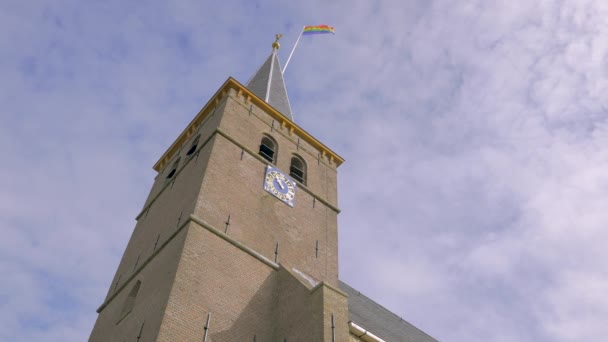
268	84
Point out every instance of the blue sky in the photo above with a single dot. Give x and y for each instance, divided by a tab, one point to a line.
487	122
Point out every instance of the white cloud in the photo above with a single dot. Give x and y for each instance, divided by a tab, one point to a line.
489	120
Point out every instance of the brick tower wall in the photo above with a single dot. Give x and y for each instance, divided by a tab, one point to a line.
192	260
233	186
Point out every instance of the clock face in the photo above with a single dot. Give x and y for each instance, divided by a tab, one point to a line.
280	185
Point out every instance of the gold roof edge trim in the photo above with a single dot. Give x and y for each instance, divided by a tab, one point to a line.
231	83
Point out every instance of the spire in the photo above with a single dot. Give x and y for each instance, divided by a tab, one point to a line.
268	84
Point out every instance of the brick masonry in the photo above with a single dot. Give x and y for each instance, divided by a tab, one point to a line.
190	270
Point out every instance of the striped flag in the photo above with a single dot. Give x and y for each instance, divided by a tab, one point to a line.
319	29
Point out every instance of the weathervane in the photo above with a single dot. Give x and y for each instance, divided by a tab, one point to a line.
276	44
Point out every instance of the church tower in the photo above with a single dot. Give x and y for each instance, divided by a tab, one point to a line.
237	240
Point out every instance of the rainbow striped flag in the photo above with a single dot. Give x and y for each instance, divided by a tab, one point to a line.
319	29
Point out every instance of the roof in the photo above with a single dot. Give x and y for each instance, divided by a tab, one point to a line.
268	84
380	321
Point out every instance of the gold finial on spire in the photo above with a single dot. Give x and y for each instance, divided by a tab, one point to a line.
276	45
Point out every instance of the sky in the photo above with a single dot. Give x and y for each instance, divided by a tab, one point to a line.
475	134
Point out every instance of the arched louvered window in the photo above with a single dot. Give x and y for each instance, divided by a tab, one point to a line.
193	146
173	169
297	170
268	149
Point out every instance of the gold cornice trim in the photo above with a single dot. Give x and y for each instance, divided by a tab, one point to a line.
248	96
198	119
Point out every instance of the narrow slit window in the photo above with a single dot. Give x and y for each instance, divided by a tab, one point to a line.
130	301
268	149
297	170
193	146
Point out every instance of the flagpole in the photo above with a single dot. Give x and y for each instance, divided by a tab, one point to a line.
292	50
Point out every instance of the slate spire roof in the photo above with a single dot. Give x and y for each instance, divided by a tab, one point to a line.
268	84
380	321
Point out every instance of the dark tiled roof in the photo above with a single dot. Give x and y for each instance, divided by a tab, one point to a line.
274	93
380	321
